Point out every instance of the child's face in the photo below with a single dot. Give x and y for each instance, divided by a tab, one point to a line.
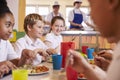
57	27
37	30
6	26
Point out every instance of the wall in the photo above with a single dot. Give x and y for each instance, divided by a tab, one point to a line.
22	5
13	5
17	7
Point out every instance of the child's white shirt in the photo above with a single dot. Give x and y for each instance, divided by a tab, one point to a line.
6	51
26	43
55	40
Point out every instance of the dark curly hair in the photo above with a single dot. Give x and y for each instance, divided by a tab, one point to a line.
4	8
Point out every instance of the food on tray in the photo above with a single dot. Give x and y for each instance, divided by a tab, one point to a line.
80	75
49	59
39	69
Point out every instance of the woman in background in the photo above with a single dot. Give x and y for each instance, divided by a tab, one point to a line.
76	16
55	12
54	39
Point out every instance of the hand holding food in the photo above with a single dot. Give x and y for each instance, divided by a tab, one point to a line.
42	52
103	59
51	51
77	61
5	67
27	57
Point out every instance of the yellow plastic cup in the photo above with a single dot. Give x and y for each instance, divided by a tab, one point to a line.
20	74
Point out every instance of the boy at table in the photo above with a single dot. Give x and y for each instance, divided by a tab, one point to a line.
33	26
8	58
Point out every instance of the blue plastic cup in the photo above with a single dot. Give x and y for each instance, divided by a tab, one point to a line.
90	53
57	61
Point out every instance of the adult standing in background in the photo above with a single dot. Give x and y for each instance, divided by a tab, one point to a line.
76	16
55	12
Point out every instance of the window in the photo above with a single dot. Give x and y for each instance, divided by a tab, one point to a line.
85	10
68	9
30	9
42	10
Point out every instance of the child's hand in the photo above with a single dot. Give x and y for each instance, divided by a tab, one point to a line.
77	61
51	51
5	67
103	59
3	70
42	52
28	54
27	57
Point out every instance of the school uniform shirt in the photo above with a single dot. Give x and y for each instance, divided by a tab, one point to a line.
6	51
114	68
55	40
76	16
49	17
26	43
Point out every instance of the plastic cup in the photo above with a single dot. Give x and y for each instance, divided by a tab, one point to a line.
65	46
20	74
90	53
84	49
57	61
71	73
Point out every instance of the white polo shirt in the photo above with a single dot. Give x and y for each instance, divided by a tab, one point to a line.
78	11
49	17
114	68
54	39
6	51
26	43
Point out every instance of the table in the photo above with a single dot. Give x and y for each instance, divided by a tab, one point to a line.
82	33
52	75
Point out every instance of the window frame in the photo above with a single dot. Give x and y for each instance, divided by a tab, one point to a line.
37	9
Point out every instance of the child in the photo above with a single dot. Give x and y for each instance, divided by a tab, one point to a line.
8	57
54	39
33	26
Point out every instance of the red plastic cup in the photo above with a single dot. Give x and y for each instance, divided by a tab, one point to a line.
84	49
71	73
65	46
